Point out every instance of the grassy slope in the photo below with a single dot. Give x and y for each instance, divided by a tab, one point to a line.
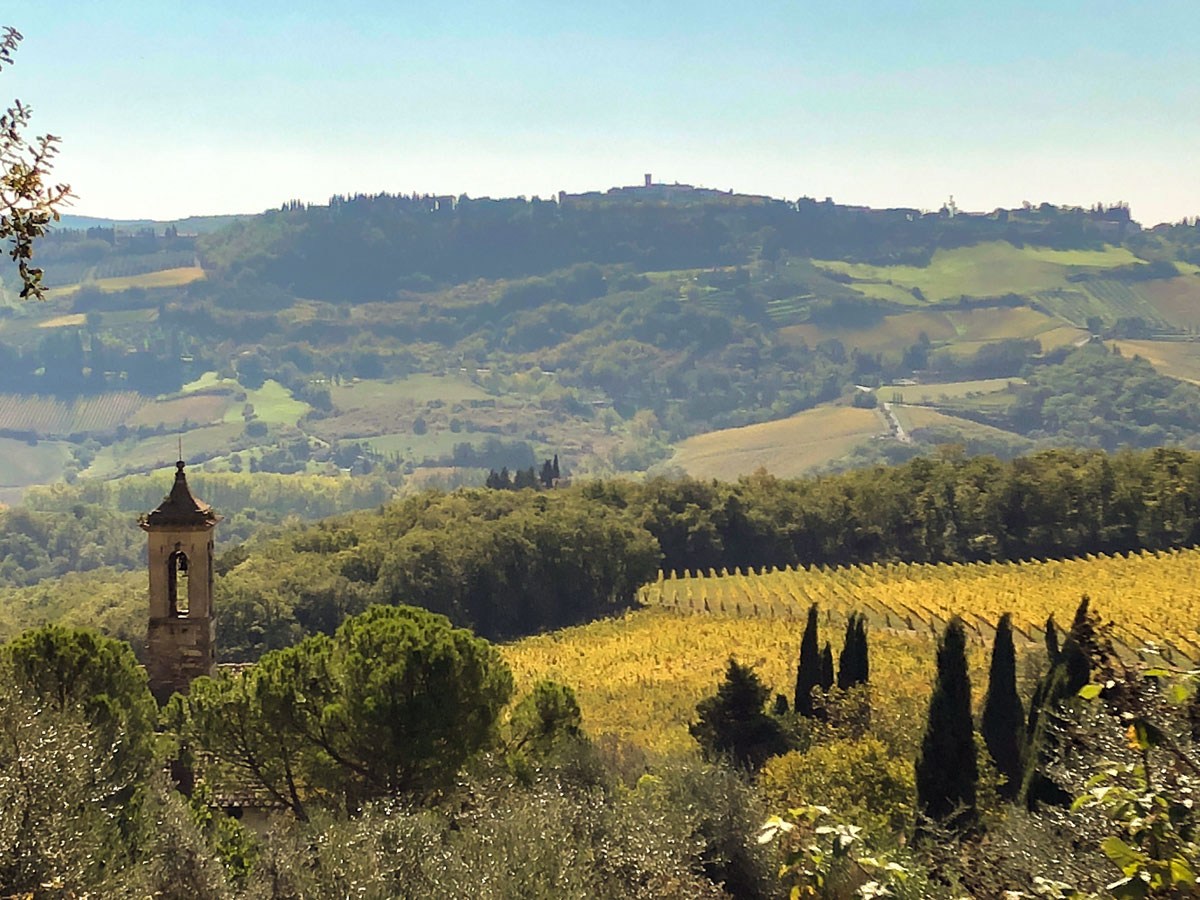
987	269
786	447
1176	359
950	390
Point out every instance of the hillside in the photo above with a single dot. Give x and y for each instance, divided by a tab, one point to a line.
437	338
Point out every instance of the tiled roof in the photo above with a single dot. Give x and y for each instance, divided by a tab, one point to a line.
180	507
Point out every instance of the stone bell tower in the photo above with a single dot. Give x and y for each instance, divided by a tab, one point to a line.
180	637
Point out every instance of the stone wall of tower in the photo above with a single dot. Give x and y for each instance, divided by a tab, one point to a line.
197	543
180	648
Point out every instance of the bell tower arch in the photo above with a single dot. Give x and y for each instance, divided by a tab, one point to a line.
180	635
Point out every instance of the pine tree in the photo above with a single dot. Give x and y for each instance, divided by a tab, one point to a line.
808	670
556	472
947	771
733	722
827	667
1003	721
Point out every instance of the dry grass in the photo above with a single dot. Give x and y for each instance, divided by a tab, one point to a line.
1176	359
1176	299
162	278
786	447
198	409
914	417
891	333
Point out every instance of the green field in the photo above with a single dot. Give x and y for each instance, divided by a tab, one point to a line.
415	388
786	447
23	464
987	269
133	455
273	404
950	390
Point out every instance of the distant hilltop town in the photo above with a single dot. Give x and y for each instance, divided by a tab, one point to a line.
650	190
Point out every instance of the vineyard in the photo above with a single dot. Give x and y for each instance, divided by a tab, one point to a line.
50	417
1153	598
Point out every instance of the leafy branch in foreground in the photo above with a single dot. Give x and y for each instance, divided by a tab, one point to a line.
28	202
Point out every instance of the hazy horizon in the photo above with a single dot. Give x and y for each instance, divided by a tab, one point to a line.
172	112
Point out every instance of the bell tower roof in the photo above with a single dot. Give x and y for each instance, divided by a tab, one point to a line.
180	508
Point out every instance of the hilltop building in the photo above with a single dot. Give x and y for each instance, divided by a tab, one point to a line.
180	635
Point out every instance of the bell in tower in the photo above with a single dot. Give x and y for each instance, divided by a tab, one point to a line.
180	637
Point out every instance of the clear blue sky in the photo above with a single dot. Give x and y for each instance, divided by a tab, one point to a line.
169	108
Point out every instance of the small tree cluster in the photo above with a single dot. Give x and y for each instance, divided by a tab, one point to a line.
546	477
815	668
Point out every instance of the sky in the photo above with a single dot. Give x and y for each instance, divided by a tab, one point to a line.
168	109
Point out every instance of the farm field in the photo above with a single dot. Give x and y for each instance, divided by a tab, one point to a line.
987	269
1151	596
197	409
1176	299
785	447
964	329
51	417
23	464
640	677
414	388
949	390
162	278
915	417
273	404
133	455
419	446
369	408
892	333
1177	359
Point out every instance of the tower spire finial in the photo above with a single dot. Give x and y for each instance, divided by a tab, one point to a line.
180	456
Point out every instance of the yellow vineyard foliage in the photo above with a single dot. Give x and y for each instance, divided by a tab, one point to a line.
1152	597
640	677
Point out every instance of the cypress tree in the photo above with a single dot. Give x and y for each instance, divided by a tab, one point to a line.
947	771
1051	640
1070	669
861	658
1003	721
827	667
808	671
847	662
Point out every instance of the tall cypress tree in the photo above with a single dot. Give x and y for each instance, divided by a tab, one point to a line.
1003	720
1051	640
847	660
827	667
862	673
808	670
947	771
